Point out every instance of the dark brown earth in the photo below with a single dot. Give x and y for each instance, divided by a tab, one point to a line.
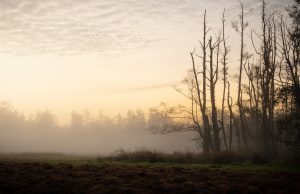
107	178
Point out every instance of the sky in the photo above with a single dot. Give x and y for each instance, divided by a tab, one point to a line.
65	55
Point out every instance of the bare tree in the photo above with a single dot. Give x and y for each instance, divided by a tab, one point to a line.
205	119
224	71
268	54
240	28
213	78
290	49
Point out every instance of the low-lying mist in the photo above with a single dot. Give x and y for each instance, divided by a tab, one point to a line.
85	134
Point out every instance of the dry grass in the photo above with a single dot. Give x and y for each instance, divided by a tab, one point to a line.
145	155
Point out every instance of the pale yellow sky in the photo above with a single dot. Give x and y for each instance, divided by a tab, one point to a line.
65	55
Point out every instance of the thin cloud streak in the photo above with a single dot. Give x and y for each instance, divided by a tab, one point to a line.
142	88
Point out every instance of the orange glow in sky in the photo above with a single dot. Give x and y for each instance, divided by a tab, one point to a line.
65	55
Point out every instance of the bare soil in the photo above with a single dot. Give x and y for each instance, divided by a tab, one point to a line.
18	177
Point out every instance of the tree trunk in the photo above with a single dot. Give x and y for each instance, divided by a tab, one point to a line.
214	116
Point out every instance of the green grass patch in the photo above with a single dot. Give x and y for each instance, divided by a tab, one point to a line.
239	167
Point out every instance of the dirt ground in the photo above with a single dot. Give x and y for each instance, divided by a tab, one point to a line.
107	178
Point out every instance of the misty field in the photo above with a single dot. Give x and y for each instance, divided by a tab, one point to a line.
42	173
138	96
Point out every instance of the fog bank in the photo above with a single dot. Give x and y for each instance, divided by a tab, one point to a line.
85	134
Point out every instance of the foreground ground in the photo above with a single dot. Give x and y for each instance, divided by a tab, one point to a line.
117	177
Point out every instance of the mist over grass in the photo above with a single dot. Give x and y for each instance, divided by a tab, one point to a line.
85	134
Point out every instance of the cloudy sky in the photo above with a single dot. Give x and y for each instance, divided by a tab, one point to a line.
65	55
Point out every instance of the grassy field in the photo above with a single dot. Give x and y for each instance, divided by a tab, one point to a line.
58	173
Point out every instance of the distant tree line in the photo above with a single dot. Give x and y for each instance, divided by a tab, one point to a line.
132	121
85	132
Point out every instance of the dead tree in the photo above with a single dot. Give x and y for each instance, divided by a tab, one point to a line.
205	119
224	71
213	79
268	55
206	134
290	48
240	28
267	83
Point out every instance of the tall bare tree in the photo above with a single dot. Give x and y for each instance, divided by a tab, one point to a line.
213	78
224	71
240	28
290	39
205	119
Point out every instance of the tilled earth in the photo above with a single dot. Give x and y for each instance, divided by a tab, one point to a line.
110	178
